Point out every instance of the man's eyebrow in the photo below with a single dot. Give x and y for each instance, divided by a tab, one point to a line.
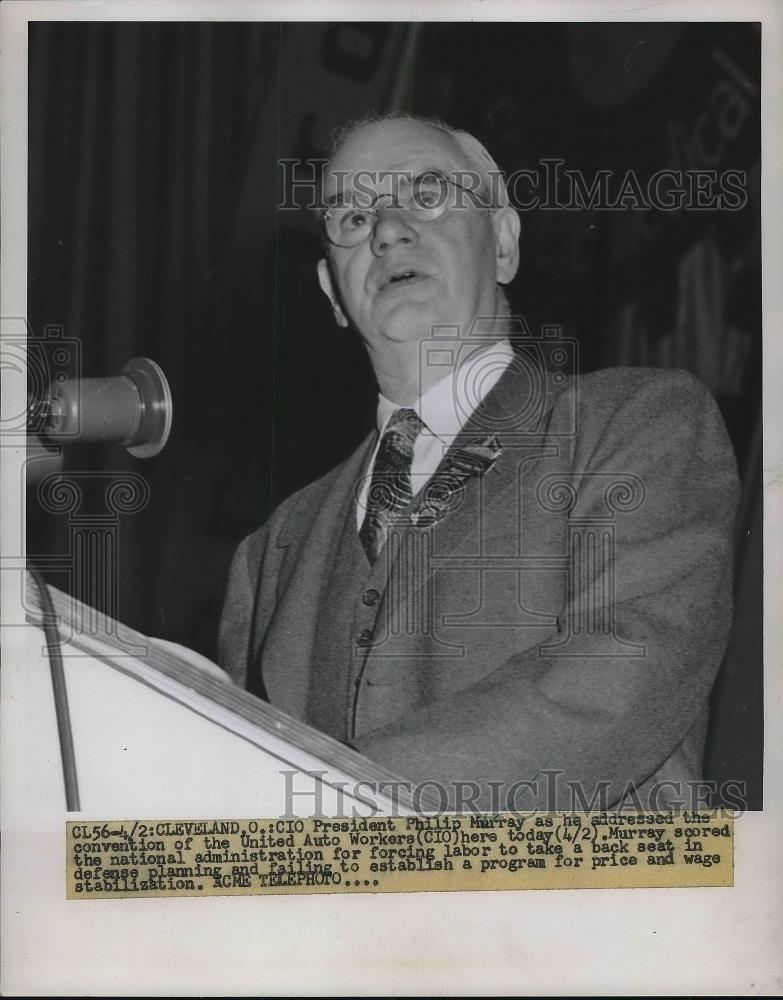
333	199
339	196
326	201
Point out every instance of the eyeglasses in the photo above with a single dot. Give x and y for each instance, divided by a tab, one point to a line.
425	198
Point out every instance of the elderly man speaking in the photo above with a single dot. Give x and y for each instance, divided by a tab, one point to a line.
518	587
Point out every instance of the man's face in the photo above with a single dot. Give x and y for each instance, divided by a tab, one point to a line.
449	266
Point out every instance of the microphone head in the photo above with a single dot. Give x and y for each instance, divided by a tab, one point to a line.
134	408
158	407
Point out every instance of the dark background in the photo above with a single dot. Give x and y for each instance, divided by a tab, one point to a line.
153	181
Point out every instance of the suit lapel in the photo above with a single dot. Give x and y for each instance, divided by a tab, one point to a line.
473	458
314	521
479	468
311	535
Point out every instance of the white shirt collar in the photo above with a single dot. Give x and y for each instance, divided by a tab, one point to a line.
448	404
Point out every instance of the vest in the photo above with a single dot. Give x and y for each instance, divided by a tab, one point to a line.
350	598
385	611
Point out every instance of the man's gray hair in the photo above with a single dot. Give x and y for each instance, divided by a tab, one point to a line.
476	154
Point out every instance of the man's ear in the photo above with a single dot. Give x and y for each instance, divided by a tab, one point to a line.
325	281
507	227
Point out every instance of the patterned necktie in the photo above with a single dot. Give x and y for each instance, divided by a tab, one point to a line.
390	489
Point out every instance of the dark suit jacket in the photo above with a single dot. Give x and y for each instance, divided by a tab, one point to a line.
577	595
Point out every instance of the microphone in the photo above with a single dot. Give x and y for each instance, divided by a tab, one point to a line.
134	409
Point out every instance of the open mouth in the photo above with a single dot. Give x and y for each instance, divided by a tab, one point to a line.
404	276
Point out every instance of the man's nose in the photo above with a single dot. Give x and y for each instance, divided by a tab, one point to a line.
392	227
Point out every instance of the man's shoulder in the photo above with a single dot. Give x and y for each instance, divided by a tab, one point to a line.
554	401
637	394
646	411
616	386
